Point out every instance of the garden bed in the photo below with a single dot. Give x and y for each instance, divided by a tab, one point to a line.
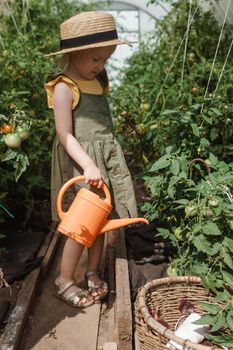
23	293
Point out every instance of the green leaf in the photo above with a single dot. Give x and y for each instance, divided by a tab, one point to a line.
228	260
171	191
164	232
146	206
202	244
168	112
223	296
196	228
195	129
208	119
216	111
211	229
213	159
228	277
168	149
9	154
228	244
223	340
220	320
182	201
175	167
199	268
160	164
173	181
216	248
21	165
205	320
214	134
211	308
229	319
211	283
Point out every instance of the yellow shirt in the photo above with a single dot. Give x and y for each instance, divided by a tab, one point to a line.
86	86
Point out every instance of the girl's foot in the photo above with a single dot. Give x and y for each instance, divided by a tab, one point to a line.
72	295
97	288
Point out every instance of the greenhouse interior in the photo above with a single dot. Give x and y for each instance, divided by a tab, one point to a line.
116	186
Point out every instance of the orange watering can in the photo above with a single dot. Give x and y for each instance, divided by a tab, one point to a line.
87	215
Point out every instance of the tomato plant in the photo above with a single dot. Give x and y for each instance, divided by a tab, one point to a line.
24	71
188	118
198	212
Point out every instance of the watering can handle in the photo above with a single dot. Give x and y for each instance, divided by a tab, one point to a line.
68	184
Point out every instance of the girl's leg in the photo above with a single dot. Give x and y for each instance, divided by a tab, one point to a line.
95	253
98	288
70	257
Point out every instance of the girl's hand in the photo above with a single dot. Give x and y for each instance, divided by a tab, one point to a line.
93	176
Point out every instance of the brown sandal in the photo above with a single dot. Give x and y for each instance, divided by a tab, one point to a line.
75	299
100	288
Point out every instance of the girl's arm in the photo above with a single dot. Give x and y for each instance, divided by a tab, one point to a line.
63	123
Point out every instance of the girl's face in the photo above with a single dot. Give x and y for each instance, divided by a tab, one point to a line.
86	64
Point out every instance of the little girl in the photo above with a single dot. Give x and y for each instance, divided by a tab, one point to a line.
85	143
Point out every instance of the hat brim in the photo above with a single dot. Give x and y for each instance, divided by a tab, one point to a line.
91	46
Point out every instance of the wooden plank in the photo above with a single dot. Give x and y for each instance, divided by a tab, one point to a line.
106	331
49	256
15	325
116	316
18	316
123	310
110	346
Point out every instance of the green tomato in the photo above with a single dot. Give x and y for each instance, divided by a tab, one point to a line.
207	212
190	210
171	271
12	140
23	132
141	129
230	222
146	106
208	162
213	202
154	126
165	122
178	234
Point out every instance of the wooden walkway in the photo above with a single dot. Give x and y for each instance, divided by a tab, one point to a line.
42	322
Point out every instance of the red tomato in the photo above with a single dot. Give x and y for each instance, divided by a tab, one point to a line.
6	128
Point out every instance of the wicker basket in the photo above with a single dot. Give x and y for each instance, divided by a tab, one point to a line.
166	294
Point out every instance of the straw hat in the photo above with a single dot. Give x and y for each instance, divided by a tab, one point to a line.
88	30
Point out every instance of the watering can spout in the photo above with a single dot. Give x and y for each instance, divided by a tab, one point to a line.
114	224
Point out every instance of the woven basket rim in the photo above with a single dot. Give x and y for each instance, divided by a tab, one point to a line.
158	327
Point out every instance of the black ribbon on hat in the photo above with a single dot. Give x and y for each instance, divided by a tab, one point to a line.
88	39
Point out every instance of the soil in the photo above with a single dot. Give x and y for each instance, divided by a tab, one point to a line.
18	257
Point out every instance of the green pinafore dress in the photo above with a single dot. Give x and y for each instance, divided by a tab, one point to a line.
93	128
